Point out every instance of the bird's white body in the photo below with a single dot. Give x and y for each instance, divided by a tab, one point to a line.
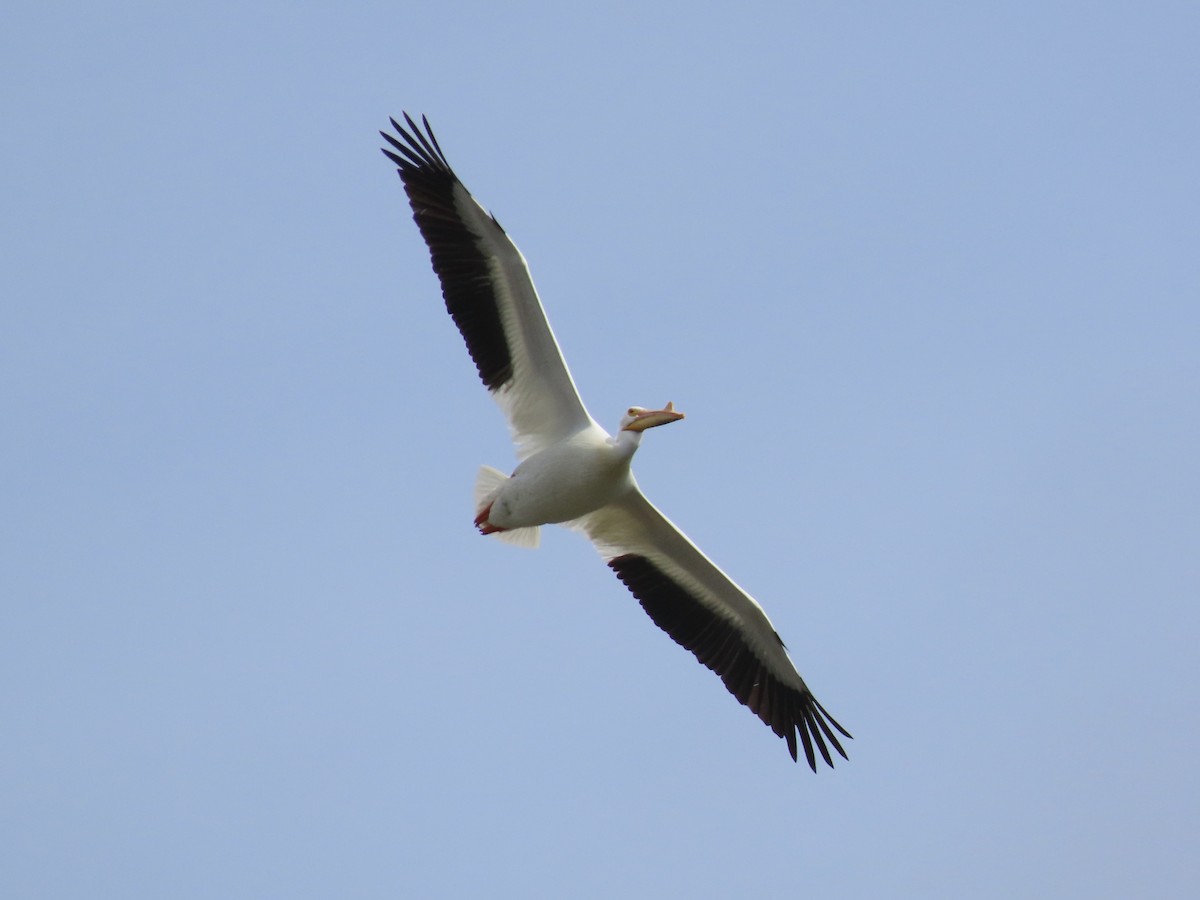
567	480
573	472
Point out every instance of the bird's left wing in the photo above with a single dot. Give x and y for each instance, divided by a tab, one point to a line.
489	294
703	610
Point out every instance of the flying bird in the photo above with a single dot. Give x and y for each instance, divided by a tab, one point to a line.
573	472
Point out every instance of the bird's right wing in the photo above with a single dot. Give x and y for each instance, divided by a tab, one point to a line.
489	294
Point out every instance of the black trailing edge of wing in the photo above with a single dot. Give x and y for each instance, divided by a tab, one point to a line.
718	644
459	255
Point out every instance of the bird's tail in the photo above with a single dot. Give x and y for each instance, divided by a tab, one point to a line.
487	484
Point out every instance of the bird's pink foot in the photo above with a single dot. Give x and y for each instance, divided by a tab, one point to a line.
481	522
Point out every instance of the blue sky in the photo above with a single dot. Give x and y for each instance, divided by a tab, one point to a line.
924	278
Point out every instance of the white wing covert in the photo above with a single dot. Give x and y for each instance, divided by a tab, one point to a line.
490	295
704	611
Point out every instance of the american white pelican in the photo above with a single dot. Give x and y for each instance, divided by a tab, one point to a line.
575	473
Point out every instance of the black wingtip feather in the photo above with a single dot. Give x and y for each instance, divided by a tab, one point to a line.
459	255
717	644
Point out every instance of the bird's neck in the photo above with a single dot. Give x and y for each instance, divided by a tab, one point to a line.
626	443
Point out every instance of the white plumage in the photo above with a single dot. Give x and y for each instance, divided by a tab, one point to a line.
574	472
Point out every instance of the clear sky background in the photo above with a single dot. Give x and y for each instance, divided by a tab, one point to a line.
925	278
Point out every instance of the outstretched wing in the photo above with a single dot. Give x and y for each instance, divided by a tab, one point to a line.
489	294
703	610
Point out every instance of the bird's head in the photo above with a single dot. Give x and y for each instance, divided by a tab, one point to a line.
638	419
